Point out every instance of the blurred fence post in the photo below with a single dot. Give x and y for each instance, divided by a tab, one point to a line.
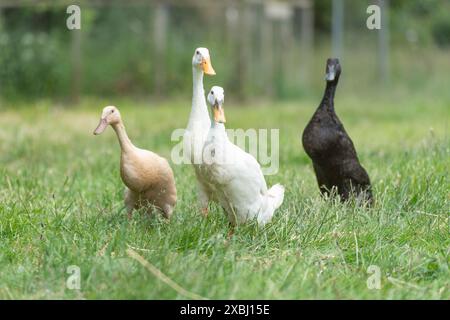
161	19
76	65
231	18
306	41
244	49
280	13
337	27
383	43
1	30
287	45
267	52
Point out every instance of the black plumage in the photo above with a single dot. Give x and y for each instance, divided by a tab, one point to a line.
330	148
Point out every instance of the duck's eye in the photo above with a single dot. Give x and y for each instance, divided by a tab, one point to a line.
197	52
112	111
212	92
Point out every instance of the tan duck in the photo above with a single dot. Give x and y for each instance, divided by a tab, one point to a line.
148	177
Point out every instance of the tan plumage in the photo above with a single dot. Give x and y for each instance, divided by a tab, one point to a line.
147	176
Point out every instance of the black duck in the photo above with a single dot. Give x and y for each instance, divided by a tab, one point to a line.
332	151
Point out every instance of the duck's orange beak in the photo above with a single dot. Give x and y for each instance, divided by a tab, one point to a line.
207	66
101	126
219	115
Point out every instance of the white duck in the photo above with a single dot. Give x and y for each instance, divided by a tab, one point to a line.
199	121
234	176
148	177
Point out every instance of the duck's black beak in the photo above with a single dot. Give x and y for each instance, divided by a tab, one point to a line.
331	73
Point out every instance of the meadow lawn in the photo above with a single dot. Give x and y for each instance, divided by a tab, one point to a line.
61	204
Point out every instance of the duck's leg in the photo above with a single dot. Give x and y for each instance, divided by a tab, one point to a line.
231	231
203	199
167	211
347	190
131	199
321	180
232	217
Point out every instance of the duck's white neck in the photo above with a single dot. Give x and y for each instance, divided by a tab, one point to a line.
217	125
124	141
199	109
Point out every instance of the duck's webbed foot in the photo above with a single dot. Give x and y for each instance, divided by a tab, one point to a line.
205	212
167	211
231	231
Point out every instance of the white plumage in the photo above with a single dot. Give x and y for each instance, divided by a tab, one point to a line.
233	176
199	122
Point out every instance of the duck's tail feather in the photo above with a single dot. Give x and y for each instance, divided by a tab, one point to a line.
274	199
276	195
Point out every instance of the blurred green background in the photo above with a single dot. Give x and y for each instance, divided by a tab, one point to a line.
260	49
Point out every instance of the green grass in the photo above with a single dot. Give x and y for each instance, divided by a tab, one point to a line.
61	205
